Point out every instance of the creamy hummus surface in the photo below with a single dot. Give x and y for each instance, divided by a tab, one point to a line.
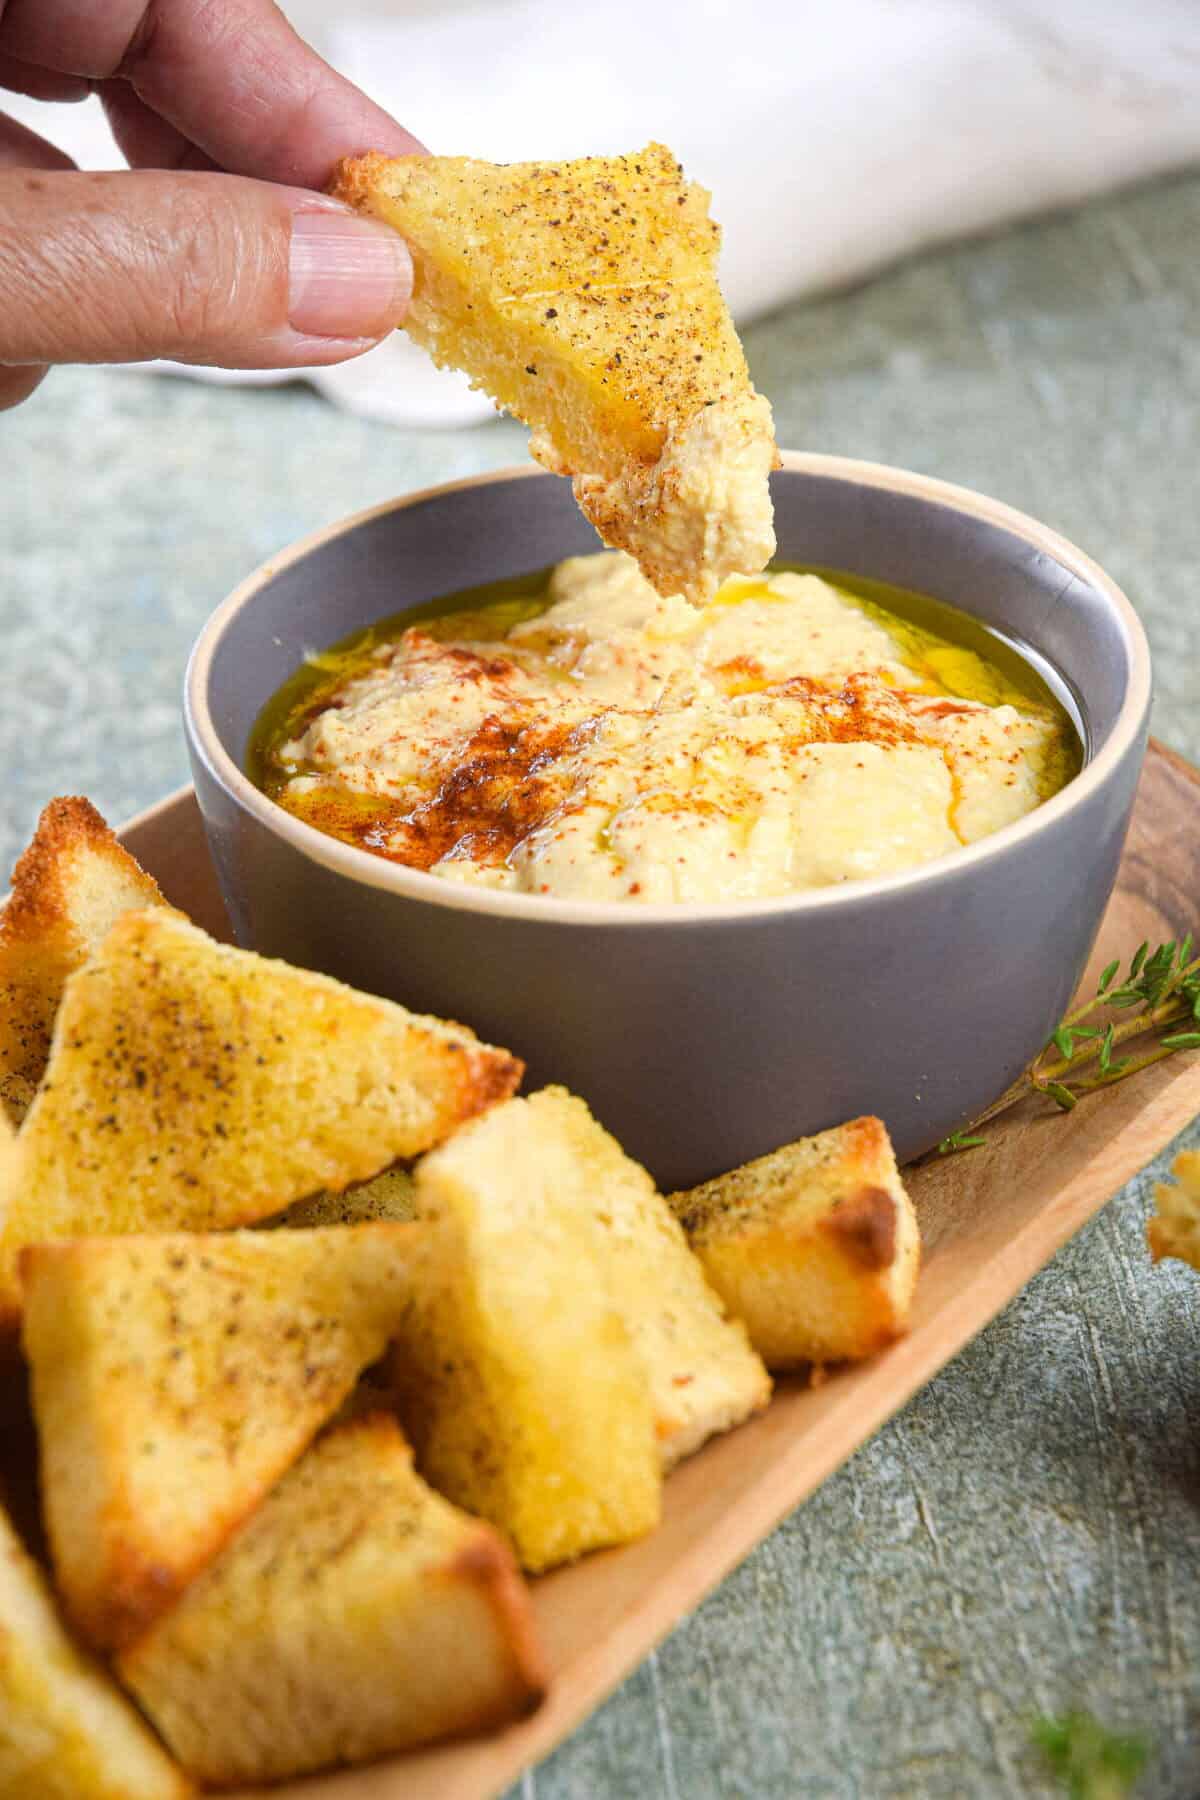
622	746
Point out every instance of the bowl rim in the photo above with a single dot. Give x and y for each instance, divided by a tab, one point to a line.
415	884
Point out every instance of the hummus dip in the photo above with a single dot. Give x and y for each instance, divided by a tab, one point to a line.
703	510
617	745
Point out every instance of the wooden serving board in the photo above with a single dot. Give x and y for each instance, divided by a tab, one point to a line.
990	1219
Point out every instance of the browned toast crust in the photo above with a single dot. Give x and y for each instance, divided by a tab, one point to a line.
358	1613
41	940
816	1246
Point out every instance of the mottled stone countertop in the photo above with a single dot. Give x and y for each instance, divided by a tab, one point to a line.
1025	1536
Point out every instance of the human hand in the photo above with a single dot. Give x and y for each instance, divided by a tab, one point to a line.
216	245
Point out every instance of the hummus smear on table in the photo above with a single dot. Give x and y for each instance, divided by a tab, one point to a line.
617	745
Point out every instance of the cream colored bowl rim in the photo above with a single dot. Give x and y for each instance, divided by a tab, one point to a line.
413	884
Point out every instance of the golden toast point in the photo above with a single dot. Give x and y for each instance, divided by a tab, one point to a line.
194	1087
567	1347
815	1247
175	1379
582	295
68	888
704	1377
516	1374
66	1733
357	1614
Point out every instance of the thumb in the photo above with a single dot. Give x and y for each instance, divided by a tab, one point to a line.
202	268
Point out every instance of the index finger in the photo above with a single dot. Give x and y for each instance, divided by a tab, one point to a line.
231	75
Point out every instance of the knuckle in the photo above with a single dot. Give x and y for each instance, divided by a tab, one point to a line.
219	266
198	261
119	267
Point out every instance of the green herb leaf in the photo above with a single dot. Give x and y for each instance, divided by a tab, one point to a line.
1062	1096
1106	980
1106	1050
959	1140
1135	967
1091	1762
1064	1043
1181	1040
1157	973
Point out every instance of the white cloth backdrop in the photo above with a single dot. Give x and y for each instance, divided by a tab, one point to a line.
835	135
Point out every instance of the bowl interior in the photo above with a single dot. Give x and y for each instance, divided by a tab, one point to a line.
411	553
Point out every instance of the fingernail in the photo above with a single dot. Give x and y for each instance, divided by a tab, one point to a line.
348	277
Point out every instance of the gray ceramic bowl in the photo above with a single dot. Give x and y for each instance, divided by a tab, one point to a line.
702	1035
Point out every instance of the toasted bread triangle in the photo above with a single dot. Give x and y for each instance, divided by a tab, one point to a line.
516	1373
195	1087
175	1379
68	888
66	1733
583	297
388	1196
815	1246
703	1375
358	1613
1174	1227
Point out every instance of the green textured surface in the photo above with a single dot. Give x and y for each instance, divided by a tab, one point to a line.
1026	1535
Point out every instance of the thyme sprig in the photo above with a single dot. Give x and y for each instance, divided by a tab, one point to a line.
1160	992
